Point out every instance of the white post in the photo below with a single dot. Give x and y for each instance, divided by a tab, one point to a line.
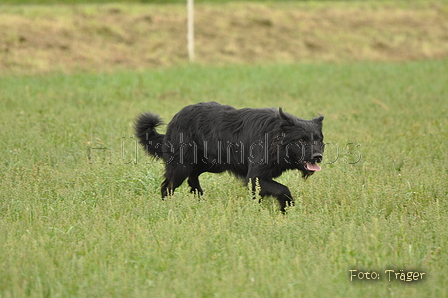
190	29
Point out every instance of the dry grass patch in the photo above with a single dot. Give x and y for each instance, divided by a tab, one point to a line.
37	39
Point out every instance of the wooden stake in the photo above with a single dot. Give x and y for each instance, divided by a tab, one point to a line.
190	29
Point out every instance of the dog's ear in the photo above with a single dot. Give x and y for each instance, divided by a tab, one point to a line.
280	110
319	119
285	117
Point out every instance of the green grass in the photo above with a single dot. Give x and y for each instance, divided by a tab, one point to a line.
83	222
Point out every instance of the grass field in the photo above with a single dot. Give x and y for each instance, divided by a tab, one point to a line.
83	222
80	207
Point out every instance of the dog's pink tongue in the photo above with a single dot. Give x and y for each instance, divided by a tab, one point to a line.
312	167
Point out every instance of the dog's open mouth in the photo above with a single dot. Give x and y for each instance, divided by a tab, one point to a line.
312	167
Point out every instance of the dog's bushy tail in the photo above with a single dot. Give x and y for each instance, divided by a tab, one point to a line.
145	130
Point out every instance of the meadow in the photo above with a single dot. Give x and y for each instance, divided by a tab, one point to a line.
78	221
80	207
38	39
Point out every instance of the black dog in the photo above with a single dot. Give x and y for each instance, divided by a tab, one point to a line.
253	144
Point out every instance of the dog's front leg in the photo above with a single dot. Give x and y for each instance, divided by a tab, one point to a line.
269	187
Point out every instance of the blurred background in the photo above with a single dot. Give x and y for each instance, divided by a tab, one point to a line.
38	36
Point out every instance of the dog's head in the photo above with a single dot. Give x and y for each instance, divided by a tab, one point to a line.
302	142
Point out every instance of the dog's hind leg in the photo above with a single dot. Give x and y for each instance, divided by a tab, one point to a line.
171	183
193	182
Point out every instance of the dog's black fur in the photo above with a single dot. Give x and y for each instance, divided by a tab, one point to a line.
253	144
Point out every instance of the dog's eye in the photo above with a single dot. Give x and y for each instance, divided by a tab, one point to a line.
302	141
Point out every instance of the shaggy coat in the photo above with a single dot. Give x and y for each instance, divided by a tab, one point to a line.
255	145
